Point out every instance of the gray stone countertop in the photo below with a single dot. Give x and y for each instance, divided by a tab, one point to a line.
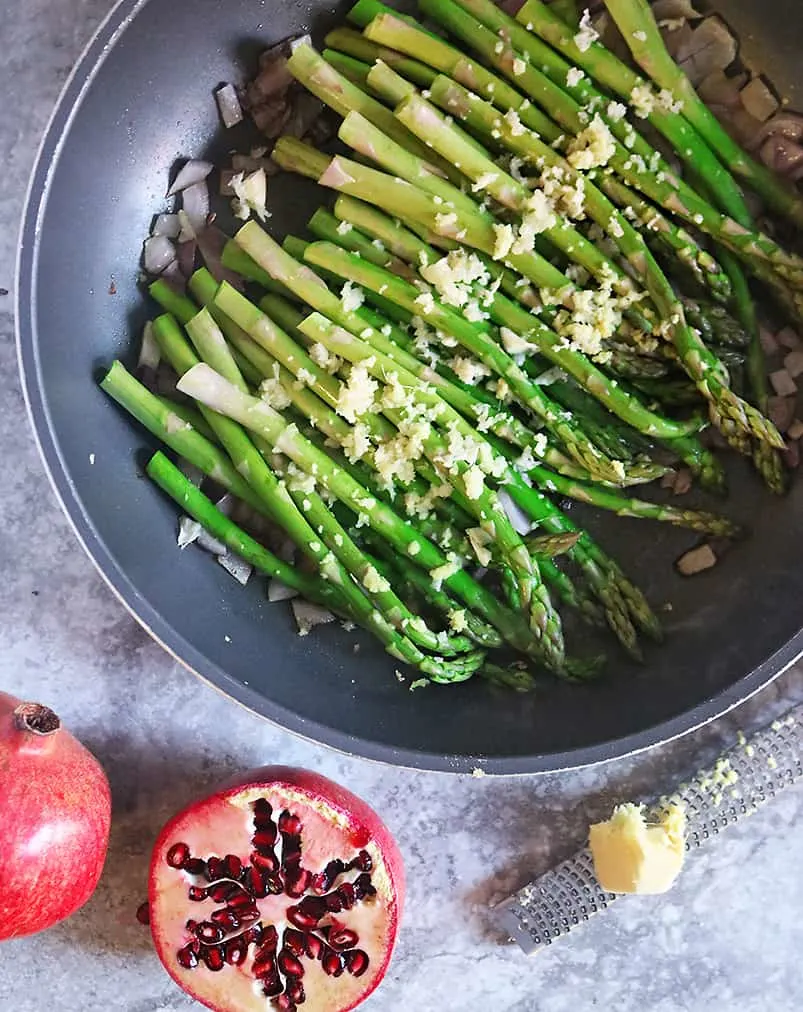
728	937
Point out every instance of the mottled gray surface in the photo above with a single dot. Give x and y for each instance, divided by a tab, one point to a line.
728	937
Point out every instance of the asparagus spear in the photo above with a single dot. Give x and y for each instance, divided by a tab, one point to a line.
637	24
193	502
671	193
352	43
203	384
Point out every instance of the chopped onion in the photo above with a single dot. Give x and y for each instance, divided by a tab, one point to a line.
782	383
186	257
795	430
758	100
518	518
769	343
711	47
672	9
226	504
511	7
149	352
239	568
788	338
187	233
697	560
788	124
683	482
195	204
278	591
677	38
193	474
720	89
306	109
188	531
228	103
192	172
782	155
210	544
166	224
308	615
791	455
158	252
793	363
781	412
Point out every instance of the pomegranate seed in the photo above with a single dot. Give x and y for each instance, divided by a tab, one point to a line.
262	809
233	865
213	957
221	892
297	883
256	883
294	941
264	839
196	894
332	964
144	913
346	894
289	823
270	938
330	873
186	957
240	899
266	861
363	887
228	920
356	962
209	932
195	866
333	903
248	913
308	912
342	938
289	965
267	971
295	990
191	925
236	951
314	946
177	855
362	861
285	1003
214	869
254	935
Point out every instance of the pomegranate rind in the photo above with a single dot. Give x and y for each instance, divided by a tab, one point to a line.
55	816
333	818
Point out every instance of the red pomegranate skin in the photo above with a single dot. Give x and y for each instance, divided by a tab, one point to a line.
55	813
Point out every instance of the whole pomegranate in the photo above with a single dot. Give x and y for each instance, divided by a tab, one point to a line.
279	891
55	812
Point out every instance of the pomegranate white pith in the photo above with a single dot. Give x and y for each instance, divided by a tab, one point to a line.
334	825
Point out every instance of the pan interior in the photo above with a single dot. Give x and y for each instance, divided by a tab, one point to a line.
141	104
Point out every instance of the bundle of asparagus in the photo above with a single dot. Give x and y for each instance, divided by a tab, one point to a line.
508	304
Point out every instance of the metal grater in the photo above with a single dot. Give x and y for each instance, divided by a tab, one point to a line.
741	780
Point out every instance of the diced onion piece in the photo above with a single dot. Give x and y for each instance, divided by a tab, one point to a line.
193	474
672	9
239	568
795	430
278	591
210	243
166	224
696	561
782	383
158	252
195	204
793	363
192	172
788	338
188	531
210	544
518	518
711	47
149	352
720	89
308	615
228	103
758	100
186	257
781	411
187	233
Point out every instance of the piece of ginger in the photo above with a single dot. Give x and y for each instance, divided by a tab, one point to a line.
632	855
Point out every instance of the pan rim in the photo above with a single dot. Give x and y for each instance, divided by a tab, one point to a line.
79	81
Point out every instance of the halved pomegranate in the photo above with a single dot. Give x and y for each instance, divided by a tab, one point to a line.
281	890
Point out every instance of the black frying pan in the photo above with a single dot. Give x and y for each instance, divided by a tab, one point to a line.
141	98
